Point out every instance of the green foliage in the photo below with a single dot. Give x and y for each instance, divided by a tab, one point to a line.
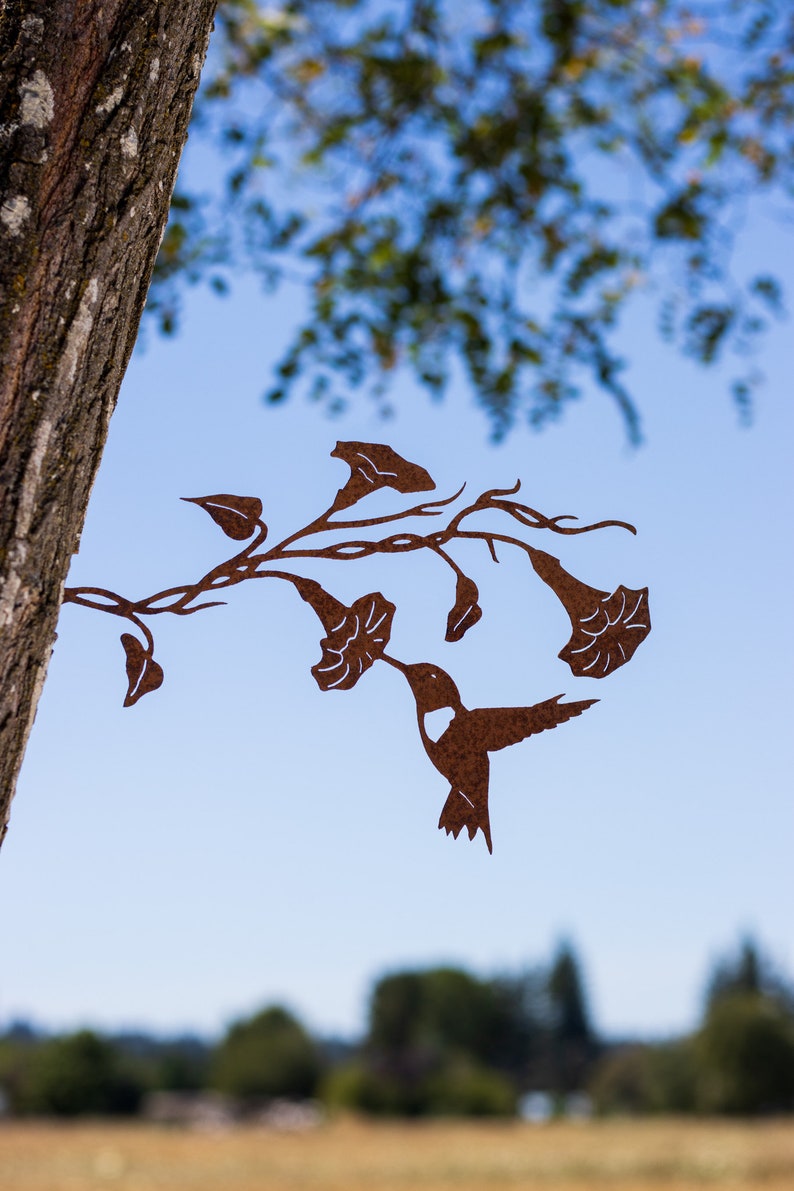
420	1020
748	972
444	1042
634	1080
180	1067
176	1064
469	179
672	1077
16	1050
441	1041
620	1081
448	1088
464	1090
84	1073
360	1087
745	1056
438	1011
570	1017
269	1055
741	1060
570	1043
76	1075
354	1087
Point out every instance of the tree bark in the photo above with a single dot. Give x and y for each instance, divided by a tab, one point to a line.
95	98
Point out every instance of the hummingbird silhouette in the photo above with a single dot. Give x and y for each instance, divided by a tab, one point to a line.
461	752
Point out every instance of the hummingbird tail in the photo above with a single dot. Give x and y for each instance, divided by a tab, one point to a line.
459	812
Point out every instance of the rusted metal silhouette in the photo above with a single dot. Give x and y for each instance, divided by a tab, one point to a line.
607	627
461	751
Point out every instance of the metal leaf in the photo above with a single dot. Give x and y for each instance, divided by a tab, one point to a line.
466	612
144	674
238	516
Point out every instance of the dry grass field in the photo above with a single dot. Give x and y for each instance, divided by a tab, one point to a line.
349	1156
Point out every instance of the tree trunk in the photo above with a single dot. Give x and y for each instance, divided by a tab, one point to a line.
95	98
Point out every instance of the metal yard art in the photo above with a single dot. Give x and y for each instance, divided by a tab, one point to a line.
606	627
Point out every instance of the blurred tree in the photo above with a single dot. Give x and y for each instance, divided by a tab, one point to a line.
395	1011
440	1009
450	1087
748	972
418	1018
435	1035
736	974
77	1075
639	1079
182	1066
517	1035
17	1045
174	1064
745	1055
488	182
619	1083
672	1077
439	1041
269	1055
464	1089
353	1085
572	1045
570	1017
741	1060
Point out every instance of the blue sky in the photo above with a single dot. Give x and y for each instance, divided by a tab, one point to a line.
239	837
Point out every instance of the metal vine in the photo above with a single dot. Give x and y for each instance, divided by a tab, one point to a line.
606	627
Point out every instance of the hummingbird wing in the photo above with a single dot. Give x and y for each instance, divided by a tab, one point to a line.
498	727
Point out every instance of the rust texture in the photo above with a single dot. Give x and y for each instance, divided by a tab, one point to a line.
607	627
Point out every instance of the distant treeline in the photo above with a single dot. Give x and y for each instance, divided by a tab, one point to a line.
440	1041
